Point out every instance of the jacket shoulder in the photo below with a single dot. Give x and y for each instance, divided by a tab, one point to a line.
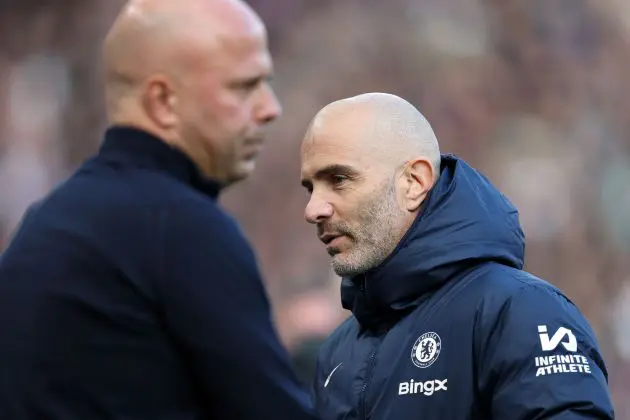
133	185
516	301
503	283
531	340
97	191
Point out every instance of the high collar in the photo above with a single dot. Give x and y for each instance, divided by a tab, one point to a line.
138	148
465	221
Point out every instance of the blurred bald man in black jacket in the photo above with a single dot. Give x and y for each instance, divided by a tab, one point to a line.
128	293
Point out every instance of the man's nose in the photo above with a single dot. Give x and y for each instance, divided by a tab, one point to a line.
270	108
317	210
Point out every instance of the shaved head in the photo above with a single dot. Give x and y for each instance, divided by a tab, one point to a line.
151	36
368	162
194	73
393	128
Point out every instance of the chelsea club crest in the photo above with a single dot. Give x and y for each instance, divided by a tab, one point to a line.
426	349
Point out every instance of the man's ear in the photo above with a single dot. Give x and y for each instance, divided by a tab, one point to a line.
159	102
419	176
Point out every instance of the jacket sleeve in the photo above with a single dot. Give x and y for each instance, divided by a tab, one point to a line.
539	359
216	308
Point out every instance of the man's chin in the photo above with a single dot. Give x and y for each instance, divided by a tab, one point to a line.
342	268
242	172
343	271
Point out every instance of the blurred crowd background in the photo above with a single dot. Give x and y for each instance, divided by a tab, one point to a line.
535	93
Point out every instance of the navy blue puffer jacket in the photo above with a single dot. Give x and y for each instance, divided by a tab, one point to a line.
450	327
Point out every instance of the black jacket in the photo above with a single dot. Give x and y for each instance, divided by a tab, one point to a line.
449	327
128	293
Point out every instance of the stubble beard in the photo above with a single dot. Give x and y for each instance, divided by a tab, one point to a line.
376	236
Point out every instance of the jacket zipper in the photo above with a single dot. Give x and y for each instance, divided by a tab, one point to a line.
363	404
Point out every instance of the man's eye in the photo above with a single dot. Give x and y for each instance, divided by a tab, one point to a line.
247	86
251	84
339	179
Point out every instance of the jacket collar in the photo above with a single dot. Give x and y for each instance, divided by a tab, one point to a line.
137	148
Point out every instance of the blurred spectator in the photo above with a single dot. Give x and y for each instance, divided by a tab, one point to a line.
32	158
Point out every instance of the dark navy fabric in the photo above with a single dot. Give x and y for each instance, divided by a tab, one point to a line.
451	327
128	293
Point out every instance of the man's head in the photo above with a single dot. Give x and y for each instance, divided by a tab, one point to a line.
196	74
368	162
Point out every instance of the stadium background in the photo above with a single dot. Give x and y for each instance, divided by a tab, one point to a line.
535	93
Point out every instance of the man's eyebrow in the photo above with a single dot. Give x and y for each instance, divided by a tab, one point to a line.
335	169
252	79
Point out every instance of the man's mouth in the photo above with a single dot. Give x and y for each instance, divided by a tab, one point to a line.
251	154
253	150
330	239
255	140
